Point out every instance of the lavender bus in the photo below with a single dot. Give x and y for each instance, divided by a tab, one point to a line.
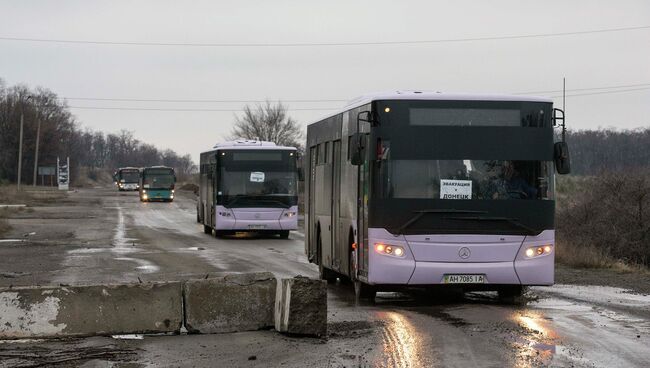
248	186
420	189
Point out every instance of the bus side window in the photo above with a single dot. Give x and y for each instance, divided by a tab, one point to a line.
326	158
319	154
349	145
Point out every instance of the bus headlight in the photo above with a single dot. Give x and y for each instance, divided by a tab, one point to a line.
225	214
289	213
541	250
389	250
145	196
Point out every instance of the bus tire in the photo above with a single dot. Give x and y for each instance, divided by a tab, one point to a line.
364	291
511	294
323	272
284	234
207	229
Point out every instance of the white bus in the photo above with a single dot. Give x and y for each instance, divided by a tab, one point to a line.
419	189
248	186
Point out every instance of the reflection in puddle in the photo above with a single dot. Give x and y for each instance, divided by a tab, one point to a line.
400	340
537	342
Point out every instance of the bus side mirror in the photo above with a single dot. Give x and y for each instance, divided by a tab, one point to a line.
561	158
356	149
299	168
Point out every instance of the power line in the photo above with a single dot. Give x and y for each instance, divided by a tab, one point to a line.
308	108
177	100
194	110
190	100
605	92
317	44
584	89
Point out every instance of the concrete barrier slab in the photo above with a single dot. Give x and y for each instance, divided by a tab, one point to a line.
240	302
301	306
90	310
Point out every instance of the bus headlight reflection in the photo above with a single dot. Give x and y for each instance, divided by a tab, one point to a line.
389	250
541	250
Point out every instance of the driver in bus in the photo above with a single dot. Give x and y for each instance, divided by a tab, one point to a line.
516	186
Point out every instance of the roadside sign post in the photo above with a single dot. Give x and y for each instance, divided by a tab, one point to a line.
63	174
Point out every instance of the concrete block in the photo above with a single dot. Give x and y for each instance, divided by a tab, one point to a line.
90	310
301	306
240	302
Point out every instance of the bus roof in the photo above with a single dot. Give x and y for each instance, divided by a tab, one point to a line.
128	168
433	95
244	144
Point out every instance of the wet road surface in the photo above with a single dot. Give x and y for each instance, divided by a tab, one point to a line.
101	236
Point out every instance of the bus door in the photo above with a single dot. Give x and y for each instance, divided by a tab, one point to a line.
312	252
323	210
339	256
210	198
362	212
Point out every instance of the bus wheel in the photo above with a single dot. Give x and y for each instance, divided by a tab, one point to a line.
323	272
361	290
284	234
364	291
511	294
207	229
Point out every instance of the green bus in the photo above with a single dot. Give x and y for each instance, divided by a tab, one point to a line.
157	184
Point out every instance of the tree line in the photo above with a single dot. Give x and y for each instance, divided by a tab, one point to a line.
608	150
62	136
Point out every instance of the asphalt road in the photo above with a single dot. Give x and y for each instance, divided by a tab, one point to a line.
104	236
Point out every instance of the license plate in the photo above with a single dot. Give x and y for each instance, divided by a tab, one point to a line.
257	227
464	279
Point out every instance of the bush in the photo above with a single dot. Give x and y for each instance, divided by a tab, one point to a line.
605	216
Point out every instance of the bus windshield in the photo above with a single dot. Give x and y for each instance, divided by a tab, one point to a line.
130	176
467	179
261	178
158	179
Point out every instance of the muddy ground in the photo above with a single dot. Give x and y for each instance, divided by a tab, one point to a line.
591	318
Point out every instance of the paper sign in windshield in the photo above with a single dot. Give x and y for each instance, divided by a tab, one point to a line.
257	177
455	189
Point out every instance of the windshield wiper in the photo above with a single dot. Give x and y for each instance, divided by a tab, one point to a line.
420	213
511	221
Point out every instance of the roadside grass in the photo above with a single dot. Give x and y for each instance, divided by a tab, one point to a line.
4	225
30	195
577	255
594	232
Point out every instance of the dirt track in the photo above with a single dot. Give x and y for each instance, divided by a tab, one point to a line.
102	236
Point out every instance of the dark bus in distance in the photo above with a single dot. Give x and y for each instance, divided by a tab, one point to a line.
127	178
419	189
157	184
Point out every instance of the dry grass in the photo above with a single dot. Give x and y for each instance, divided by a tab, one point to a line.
602	221
30	195
4	225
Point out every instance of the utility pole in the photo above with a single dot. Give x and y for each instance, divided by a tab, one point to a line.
38	135
20	146
20	143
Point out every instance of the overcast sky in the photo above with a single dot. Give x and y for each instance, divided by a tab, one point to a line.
73	70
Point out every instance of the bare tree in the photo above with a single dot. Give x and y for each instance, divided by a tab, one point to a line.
268	122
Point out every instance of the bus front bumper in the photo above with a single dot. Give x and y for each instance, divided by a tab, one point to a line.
406	270
256	219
